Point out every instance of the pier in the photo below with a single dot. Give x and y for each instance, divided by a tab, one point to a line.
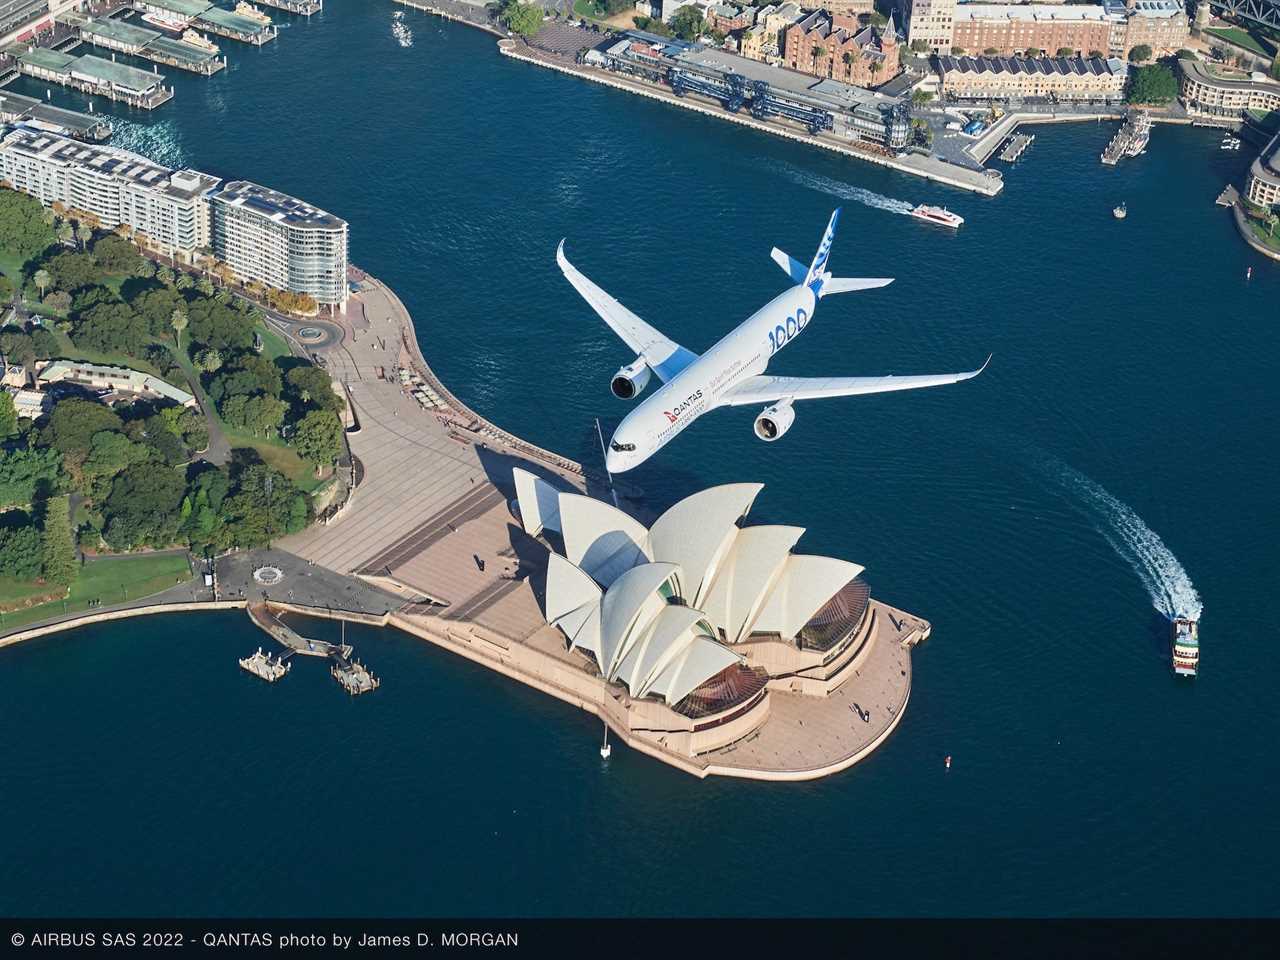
303	7
80	126
352	675
266	666
151	45
235	26
1129	141
94	75
179	15
1016	147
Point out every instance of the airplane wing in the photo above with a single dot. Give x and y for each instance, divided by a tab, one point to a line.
765	389
665	357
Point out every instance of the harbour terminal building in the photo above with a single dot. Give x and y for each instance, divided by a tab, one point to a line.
692	621
263	235
845	111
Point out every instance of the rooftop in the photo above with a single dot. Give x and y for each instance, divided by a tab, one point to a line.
276	206
128	33
101	70
1061	66
233	21
185	8
110	160
1030	11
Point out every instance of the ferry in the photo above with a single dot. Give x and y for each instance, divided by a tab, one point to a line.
1141	135
248	10
939	215
1120	212
1186	647
161	23
198	39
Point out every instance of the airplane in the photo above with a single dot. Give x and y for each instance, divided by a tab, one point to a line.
731	373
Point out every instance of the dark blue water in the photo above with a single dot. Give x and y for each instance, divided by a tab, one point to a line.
1086	779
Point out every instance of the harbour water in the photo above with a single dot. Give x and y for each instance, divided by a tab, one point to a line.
1132	378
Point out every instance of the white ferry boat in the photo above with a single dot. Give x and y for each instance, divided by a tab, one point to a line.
939	215
252	12
162	23
198	39
1186	647
1141	135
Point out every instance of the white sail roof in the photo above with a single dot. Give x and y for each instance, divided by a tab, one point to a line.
539	503
697	663
573	604
665	638
698	531
629	604
747	575
600	538
803	588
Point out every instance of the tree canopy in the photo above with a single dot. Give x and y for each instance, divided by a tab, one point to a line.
73	423
522	18
1152	84
23	230
1140	53
688	23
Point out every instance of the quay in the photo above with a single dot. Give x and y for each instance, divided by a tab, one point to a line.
94	75
151	45
81	126
1016	147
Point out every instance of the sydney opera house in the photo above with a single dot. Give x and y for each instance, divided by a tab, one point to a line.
715	640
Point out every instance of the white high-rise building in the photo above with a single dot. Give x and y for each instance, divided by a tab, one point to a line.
118	187
932	22
281	241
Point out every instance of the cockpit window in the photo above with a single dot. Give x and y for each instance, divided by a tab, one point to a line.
621	447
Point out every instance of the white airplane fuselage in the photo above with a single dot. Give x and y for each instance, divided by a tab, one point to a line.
743	352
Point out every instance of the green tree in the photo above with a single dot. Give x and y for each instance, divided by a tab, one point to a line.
688	23
58	563
27	474
523	18
23	230
318	438
311	386
72	271
20	550
110	453
117	256
178	320
920	97
1032	52
1140	54
144	507
919	46
1066	52
65	232
8	415
84	233
111	328
72	425
58	301
42	279
17	346
1152	84
209	360
957	51
266	505
1275	65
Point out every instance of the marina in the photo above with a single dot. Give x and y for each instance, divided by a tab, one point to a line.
94	75
246	24
352	675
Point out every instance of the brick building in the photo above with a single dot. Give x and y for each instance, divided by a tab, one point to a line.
839	47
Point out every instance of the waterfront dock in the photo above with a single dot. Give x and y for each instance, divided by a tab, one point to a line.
80	126
235	26
269	668
93	75
151	45
1016	147
1129	141
302	7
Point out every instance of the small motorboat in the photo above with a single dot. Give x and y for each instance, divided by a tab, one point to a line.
1120	211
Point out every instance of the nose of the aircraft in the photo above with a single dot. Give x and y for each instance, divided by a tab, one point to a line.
613	462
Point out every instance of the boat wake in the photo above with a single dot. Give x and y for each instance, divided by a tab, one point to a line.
402	33
1172	592
846	191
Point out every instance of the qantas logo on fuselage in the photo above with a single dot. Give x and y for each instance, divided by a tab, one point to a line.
683	405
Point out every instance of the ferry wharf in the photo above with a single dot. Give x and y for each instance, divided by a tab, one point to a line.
178	15
93	75
93	127
303	8
151	45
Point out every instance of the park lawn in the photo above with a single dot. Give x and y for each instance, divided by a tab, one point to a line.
274	346
111	580
70	351
1242	38
14	592
1259	230
278	455
585	9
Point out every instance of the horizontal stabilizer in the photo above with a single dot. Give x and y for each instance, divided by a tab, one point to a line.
852	284
790	265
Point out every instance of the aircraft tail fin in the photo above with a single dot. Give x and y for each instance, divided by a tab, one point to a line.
790	265
824	248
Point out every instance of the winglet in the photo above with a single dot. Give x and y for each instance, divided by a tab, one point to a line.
986	363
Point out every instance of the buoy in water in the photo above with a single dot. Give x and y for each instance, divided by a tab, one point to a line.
948	761
1248	274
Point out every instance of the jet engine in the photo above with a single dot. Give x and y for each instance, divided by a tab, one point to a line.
630	380
774	421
